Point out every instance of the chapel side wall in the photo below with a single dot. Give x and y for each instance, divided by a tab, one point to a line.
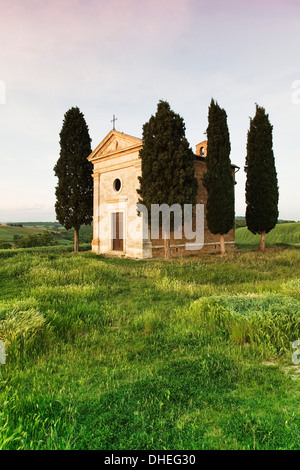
211	241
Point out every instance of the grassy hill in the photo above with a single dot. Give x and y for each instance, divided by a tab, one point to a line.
121	354
282	234
9	232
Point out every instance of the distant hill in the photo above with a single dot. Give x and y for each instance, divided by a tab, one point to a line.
9	232
240	221
283	234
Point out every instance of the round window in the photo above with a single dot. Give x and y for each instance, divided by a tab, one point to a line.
117	185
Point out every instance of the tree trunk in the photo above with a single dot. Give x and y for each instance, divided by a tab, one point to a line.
167	247
222	244
262	241
76	240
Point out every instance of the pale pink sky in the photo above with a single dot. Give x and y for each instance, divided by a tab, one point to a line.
121	57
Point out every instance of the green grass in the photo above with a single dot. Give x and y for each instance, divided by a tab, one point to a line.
122	354
282	234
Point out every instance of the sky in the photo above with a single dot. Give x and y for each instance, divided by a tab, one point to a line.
120	57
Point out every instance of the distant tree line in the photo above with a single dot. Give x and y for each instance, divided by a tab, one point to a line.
41	239
4	245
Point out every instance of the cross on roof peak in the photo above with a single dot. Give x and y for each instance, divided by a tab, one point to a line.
114	119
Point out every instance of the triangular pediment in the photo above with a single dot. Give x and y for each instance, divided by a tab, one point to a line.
114	143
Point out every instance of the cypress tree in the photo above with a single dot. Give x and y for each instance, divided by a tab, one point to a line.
218	179
168	173
261	184
74	192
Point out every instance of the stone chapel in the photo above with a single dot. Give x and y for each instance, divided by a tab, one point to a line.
117	225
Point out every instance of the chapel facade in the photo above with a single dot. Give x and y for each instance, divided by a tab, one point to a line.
117	224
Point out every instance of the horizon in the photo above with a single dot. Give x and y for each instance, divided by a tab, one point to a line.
237	217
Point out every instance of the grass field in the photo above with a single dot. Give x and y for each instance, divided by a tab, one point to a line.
122	354
282	234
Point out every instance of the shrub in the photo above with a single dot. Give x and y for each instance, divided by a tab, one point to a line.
41	239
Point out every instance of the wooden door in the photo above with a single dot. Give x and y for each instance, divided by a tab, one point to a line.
117	231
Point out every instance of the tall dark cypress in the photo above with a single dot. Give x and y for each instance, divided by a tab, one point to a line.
218	179
262	192
74	192
168	172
